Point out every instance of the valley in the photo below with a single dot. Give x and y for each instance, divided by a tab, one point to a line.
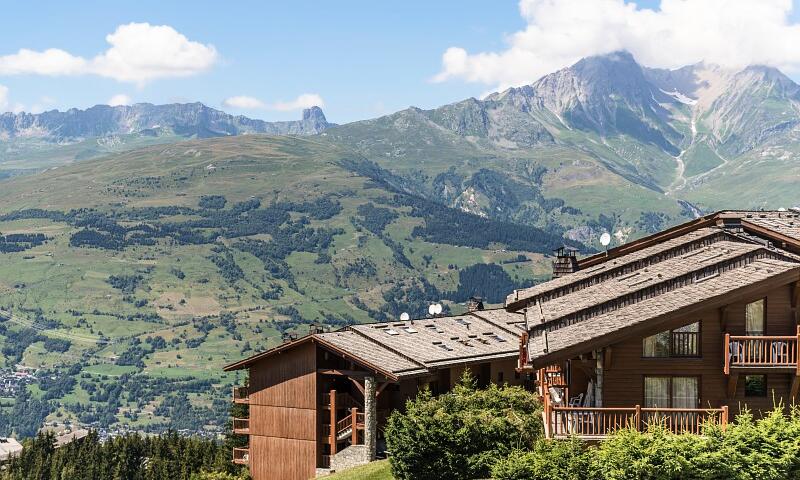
135	261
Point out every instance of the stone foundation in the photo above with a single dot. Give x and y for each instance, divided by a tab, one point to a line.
350	457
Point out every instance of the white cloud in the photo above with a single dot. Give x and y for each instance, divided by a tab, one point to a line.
243	102
138	53
3	98
119	99
5	102
732	33
305	100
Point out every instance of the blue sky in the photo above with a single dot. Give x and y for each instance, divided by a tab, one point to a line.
363	58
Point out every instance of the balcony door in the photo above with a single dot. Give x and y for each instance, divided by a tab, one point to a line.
671	392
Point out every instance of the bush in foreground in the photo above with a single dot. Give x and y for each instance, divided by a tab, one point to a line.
765	449
459	435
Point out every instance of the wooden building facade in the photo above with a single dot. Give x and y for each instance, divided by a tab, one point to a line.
683	327
322	401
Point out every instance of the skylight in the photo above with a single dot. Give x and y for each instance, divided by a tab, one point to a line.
391	331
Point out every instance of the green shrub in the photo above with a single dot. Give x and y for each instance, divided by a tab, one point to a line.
549	460
461	434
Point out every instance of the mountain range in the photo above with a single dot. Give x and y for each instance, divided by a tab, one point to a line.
31	141
157	243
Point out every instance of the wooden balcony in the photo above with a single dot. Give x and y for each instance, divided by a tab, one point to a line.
597	423
241	456
241	395
241	426
761	352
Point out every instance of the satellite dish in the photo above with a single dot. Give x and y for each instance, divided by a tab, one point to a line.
437	309
404	316
605	239
431	309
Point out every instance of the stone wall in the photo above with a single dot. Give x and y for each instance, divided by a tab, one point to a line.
350	457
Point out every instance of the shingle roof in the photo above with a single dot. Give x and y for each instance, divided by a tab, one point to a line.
415	347
784	223
370	352
652	308
615	288
617	266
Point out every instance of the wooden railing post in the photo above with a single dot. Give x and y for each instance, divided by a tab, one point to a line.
354	418
724	417
333	422
797	353
546	415
638	418
726	352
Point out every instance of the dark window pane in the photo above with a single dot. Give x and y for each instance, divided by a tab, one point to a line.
755	386
656	345
754	317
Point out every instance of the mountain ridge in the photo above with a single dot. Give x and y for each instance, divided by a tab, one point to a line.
183	118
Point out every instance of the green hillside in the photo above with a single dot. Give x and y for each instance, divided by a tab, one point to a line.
148	271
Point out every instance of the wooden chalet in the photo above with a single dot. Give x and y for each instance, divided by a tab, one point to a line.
322	401
683	327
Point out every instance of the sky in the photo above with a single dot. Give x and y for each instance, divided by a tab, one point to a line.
357	59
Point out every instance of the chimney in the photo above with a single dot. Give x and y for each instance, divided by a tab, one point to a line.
474	304
731	221
565	263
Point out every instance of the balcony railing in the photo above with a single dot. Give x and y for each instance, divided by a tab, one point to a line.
599	422
685	344
761	351
241	395
241	456
241	426
343	400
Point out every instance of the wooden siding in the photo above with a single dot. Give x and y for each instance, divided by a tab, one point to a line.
274	458
283	426
623	381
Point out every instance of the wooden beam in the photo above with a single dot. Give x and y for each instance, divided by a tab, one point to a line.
795	387
344	373
732	380
607	358
357	385
381	388
723	317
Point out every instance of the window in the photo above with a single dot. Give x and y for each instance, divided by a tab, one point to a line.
680	342
671	392
754	317
755	386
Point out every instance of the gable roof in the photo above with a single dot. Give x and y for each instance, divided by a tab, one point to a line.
656	277
547	345
418	347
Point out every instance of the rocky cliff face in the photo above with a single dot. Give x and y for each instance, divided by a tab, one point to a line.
191	120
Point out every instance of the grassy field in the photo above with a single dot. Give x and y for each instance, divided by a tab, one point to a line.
379	470
180	288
